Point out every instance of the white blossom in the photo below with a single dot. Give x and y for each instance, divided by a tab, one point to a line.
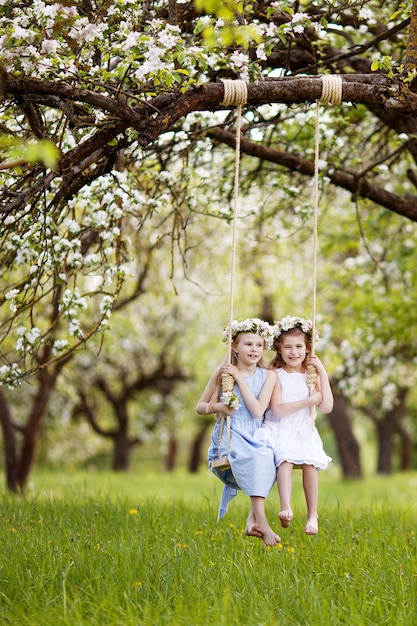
73	227
106	305
260	52
365	13
49	46
11	295
59	346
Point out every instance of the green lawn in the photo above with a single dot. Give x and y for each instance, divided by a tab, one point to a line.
109	549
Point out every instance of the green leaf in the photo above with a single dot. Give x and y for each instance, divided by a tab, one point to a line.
199	27
42	151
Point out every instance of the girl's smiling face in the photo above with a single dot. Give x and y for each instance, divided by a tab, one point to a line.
249	348
293	350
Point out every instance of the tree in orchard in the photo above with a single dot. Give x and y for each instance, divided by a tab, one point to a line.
106	84
371	299
128	393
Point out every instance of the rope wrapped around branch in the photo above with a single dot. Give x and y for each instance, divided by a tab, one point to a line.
332	93
236	94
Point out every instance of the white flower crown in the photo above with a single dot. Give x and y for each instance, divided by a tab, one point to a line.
288	323
250	325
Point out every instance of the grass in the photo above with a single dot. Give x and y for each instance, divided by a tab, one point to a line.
106	549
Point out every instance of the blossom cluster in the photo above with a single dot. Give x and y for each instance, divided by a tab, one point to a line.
230	399
249	325
288	323
58	41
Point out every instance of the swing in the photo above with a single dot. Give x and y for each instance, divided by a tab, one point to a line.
235	93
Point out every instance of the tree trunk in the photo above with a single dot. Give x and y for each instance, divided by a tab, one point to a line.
385	447
9	444
46	384
121	452
122	443
171	456
387	429
196	454
347	444
406	452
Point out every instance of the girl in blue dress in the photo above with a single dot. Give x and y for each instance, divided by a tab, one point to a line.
252	467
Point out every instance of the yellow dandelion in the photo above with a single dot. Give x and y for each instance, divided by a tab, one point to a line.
133	512
137	584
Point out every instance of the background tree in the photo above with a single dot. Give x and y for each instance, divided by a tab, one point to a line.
146	367
125	92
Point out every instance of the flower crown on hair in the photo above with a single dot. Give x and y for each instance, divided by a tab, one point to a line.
250	325
288	323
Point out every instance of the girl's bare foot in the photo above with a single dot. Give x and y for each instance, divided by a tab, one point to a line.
285	517
262	531
251	528
253	531
269	537
312	526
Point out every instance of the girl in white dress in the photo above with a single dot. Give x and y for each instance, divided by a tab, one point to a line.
291	429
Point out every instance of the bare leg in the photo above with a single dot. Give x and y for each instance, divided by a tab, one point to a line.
284	483
257	525
311	488
251	527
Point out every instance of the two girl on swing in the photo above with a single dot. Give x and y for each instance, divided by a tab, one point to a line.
270	426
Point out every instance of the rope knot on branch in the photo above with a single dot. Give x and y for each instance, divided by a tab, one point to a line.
235	92
331	92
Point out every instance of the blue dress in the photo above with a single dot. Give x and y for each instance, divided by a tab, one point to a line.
252	467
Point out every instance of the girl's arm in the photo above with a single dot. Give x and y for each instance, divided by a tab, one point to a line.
323	385
209	402
256	406
281	409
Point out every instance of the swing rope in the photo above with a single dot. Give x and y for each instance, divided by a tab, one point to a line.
331	94
235	94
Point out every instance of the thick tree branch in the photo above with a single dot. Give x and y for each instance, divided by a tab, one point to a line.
159	115
359	187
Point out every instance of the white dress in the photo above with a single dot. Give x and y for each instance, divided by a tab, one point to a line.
293	437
